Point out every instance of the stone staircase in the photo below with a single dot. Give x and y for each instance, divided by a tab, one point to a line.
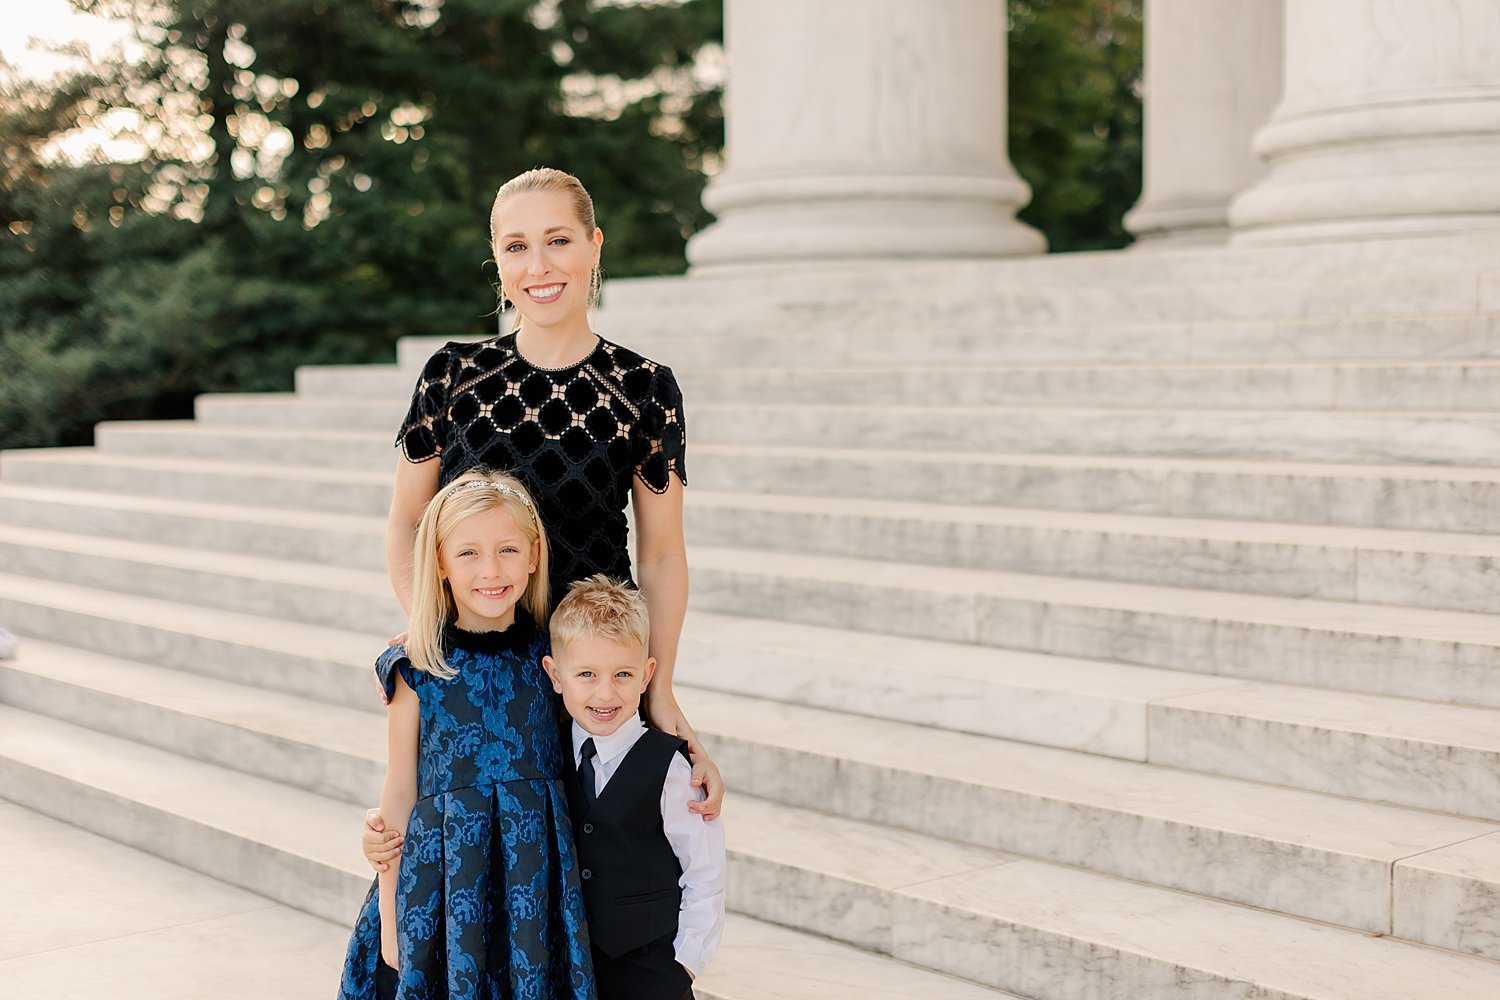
1079	628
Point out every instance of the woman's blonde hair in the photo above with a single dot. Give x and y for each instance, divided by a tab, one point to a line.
432	605
545	179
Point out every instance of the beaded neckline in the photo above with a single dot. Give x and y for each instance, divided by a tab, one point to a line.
516	347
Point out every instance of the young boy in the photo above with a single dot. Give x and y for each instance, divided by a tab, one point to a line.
652	871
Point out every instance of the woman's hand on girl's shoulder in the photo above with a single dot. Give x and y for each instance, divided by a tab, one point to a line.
395	640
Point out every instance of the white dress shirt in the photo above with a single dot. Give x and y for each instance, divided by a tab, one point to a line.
698	844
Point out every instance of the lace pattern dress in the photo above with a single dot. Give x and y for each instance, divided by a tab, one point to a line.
488	902
578	437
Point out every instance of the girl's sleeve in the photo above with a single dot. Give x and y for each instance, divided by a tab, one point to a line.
426	426
392	660
661	446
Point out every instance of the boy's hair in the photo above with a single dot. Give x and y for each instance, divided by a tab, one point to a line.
432	606
601	608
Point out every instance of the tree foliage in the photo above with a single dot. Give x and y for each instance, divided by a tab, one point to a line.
314	180
1075	116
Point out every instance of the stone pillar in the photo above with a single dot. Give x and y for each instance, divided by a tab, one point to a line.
1389	124
862	130
1213	76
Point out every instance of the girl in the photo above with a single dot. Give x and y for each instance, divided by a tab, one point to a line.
484	901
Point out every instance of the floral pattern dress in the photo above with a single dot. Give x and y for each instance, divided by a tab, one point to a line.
488	903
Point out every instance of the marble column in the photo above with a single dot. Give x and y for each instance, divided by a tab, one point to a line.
1389	124
1213	76
864	130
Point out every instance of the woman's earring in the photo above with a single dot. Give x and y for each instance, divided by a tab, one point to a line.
594	283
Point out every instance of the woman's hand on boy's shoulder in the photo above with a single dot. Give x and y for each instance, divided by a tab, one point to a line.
380	845
706	777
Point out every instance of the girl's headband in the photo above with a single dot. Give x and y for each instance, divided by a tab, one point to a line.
485	484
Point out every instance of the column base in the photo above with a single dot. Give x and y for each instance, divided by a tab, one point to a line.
1406	169
1182	222
833	219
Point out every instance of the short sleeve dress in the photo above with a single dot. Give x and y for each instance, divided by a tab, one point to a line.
488	900
578	437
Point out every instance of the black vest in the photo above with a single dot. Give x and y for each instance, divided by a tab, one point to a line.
629	873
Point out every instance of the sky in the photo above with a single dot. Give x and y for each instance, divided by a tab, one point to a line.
55	21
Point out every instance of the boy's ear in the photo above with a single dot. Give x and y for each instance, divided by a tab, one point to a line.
551	668
650	669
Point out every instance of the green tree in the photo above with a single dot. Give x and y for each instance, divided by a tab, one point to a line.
1075	116
315	182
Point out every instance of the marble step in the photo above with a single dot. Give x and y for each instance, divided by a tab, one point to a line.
1049	931
1423	498
1430	385
357	600
1437	570
348	541
1343	436
836	340
993	299
85	917
246	727
1324	857
764	961
293	846
1435	498
1409	652
1312	264
1423	437
1427	569
341	451
306	489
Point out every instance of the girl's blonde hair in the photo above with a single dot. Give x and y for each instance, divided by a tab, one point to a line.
546	179
432	605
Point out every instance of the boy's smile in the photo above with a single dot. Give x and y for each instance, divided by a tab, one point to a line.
601	681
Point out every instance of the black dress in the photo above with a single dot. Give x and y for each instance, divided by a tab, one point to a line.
576	436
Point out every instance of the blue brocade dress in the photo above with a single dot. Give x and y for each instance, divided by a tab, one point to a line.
488	903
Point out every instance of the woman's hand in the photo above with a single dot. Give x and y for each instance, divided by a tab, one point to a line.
668	717
380	847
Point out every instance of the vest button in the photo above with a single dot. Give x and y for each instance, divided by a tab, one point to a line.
588	828
586	873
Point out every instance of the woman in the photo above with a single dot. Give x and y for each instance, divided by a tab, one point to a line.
585	424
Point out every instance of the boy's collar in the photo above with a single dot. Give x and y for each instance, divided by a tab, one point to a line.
611	746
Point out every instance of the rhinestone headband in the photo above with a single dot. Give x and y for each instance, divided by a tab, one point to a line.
485	484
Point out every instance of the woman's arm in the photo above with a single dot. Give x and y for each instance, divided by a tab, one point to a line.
416	483
403	723
662	573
